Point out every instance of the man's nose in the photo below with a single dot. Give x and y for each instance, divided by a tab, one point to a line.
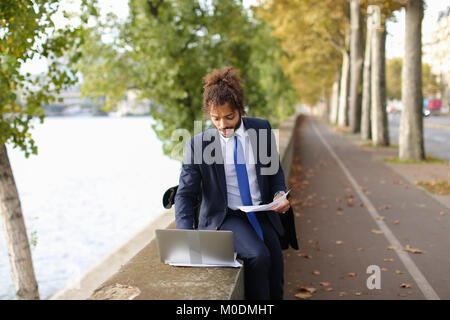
223	124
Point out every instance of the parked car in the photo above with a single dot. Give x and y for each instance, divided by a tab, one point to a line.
431	106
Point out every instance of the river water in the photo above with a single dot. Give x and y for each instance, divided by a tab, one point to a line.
95	182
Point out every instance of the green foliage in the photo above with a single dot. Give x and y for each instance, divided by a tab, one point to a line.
27	31
430	83
165	48
312	32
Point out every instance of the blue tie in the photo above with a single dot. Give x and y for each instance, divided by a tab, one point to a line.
244	187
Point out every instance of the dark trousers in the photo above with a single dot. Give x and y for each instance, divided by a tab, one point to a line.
263	260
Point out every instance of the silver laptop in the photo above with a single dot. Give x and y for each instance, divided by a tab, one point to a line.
196	247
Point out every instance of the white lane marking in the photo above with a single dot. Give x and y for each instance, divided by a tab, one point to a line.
420	279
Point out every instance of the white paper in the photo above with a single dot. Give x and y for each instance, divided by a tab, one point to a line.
264	207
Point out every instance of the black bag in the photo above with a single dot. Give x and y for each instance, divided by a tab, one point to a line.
287	219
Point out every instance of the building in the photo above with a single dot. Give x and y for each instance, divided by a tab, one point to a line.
437	54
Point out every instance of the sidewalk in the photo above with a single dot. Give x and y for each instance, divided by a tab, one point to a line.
354	211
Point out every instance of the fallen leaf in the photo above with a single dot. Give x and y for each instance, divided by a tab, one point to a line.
392	247
377	231
304	255
384	269
388	260
412	250
396	221
308	289
342	293
405	285
324	206
315	229
316	272
340	213
303	295
442	213
399	272
339	242
357	293
402	294
324	284
352	274
361	249
381	218
350	202
328	289
361	204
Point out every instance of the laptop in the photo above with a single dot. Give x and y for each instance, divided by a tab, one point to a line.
196	248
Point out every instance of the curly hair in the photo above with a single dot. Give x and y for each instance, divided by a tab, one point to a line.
222	86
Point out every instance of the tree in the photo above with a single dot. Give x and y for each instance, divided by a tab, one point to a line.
356	65
366	132
411	142
379	11
27	31
430	83
164	49
394	78
314	43
379	124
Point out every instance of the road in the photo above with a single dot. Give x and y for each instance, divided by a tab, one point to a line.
436	134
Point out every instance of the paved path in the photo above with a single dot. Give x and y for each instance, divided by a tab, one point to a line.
353	211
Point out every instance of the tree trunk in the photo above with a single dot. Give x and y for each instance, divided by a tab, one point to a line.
335	101
356	64
365	112
16	234
380	135
411	144
343	96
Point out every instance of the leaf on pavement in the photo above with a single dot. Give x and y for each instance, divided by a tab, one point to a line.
377	231
412	250
352	274
316	272
303	295
324	284
307	289
405	285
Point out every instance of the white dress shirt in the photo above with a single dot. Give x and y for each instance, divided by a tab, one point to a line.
233	194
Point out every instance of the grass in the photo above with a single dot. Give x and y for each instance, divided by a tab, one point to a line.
370	145
428	160
437	187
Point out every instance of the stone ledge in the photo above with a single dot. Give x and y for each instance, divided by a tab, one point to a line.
144	277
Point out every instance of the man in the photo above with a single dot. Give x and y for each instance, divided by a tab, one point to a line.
228	164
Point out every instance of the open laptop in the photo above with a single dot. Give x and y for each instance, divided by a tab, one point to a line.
196	248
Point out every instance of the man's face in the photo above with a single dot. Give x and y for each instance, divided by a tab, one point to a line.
225	119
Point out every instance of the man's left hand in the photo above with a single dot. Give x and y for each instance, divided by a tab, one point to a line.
283	207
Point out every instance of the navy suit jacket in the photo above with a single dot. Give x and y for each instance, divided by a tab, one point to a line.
198	175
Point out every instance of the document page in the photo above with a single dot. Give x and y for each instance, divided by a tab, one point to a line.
264	207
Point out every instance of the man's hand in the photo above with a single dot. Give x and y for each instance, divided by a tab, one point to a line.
283	207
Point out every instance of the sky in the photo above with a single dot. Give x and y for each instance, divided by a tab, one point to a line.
394	40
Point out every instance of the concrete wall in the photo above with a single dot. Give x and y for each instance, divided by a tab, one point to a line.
135	272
